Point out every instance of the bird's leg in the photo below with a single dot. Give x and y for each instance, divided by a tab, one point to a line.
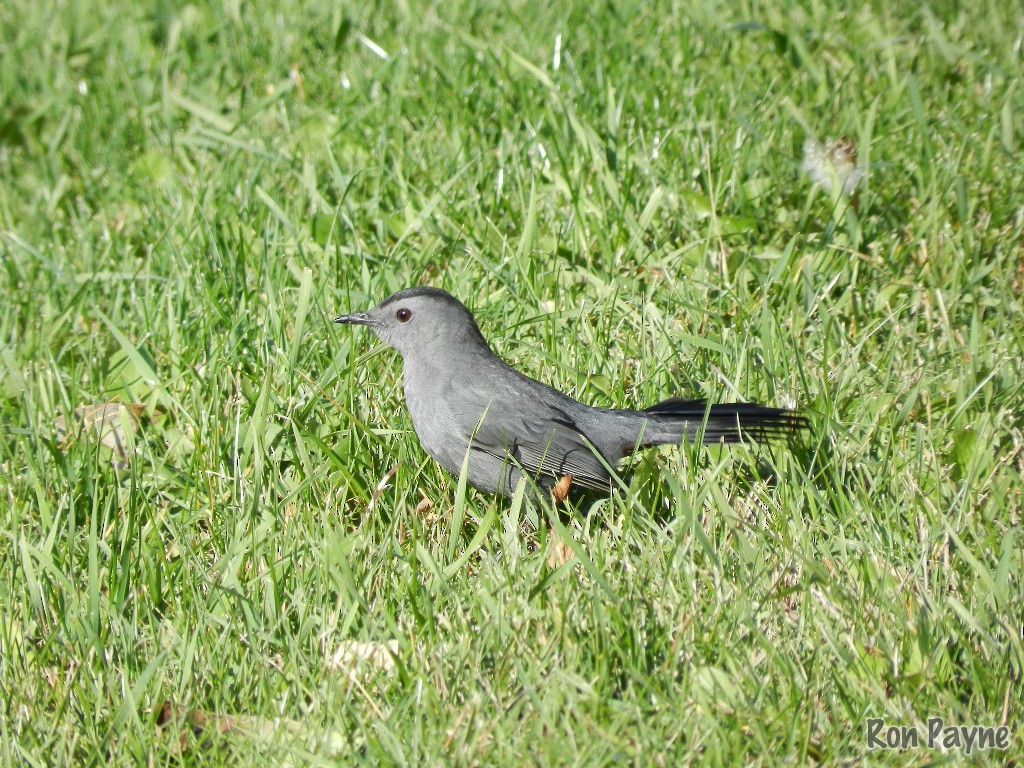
561	489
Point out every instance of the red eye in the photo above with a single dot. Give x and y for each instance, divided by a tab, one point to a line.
404	315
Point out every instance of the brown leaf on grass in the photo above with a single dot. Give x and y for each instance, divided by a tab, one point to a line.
113	423
425	505
203	724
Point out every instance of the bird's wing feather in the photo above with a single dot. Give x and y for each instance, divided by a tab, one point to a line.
546	443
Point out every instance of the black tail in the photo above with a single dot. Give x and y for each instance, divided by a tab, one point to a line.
726	423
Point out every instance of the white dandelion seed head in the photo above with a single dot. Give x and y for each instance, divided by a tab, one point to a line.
833	166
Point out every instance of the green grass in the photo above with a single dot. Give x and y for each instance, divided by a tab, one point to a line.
187	196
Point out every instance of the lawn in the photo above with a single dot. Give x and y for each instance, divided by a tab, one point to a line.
220	540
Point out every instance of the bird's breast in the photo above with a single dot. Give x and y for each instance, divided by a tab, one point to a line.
433	400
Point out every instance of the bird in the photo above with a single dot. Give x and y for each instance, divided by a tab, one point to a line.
465	400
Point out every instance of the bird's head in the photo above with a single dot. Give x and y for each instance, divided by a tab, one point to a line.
414	319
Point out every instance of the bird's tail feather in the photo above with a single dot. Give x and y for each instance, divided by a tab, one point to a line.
671	419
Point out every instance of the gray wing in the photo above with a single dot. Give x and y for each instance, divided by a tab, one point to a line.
531	425
548	443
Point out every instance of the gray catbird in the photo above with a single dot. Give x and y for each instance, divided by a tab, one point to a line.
462	397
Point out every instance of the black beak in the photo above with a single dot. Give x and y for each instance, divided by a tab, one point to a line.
356	318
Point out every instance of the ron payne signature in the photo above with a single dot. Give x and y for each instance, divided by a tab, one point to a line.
937	735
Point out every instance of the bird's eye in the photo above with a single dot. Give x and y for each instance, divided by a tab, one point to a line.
404	315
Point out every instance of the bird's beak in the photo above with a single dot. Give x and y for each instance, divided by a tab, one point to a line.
356	318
